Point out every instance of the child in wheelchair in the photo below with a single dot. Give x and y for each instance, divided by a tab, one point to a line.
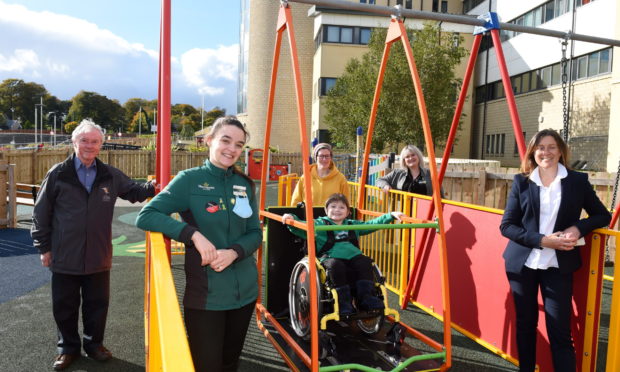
340	254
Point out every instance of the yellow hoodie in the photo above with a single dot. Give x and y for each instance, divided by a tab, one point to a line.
322	188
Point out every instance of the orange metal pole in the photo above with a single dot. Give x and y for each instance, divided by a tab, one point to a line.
445	288
285	21
446	157
361	193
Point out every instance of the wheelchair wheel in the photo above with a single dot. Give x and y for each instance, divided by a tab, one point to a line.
299	298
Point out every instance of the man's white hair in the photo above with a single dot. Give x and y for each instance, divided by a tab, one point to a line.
86	125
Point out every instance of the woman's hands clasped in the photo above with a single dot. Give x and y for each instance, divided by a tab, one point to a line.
218	259
562	240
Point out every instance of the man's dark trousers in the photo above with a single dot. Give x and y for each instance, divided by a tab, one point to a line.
94	290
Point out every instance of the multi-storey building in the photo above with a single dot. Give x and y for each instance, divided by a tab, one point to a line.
328	38
534	64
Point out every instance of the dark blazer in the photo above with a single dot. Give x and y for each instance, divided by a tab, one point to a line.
521	218
396	180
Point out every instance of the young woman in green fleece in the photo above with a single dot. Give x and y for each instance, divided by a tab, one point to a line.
339	252
221	231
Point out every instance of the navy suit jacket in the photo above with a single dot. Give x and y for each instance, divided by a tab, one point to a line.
521	219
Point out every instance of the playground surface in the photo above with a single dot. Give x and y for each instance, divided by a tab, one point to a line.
28	331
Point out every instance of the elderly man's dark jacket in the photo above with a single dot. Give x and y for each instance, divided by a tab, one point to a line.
77	225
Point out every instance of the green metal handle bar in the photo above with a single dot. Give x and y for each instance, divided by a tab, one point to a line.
400	367
376	226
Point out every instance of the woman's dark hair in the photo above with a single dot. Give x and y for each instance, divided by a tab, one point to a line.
528	164
337	197
232	120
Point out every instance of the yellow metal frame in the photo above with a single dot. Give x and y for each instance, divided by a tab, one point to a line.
167	348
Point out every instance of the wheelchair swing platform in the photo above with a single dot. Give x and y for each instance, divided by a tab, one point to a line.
343	342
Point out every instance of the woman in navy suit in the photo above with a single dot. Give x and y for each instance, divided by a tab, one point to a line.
543	222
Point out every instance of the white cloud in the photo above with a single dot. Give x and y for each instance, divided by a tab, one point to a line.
20	61
206	69
67	54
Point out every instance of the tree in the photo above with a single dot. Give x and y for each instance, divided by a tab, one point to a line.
133	105
213	114
21	97
102	110
187	131
349	102
70	127
139	117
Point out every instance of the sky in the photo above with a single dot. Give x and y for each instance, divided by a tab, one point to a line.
111	48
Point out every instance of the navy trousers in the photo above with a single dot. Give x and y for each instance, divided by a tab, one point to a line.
344	272
556	289
94	292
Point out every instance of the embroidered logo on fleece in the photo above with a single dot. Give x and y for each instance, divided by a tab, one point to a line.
205	186
106	194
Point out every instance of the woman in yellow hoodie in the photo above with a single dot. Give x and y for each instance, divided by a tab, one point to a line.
325	176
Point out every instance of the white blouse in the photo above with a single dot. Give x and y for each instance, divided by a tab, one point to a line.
550	198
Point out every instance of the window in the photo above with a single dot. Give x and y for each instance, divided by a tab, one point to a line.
488	145
364	35
593	60
408	4
492	144
586	66
345	34
604	61
516	84
525	82
556	74
516	149
545	77
580	71
444	6
326	85
502	142
435	5
549	11
499	90
534	80
332	34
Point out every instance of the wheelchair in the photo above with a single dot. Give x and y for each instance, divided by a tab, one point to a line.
368	322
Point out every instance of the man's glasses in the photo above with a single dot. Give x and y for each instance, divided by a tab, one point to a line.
324	156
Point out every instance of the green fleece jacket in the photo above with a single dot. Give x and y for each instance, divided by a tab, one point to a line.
222	206
341	249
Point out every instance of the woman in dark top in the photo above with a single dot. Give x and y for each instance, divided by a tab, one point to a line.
543	221
411	177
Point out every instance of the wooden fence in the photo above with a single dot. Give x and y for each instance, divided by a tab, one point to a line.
471	183
33	165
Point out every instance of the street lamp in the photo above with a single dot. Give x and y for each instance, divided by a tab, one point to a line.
54	130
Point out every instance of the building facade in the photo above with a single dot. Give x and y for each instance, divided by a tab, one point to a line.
536	69
328	38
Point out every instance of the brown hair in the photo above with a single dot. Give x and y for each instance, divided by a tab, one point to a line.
338	197
528	163
232	120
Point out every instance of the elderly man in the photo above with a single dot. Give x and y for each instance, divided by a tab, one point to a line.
72	229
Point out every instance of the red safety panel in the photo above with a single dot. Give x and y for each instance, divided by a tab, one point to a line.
480	297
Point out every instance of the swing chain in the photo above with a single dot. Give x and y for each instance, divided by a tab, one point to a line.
565	86
613	206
